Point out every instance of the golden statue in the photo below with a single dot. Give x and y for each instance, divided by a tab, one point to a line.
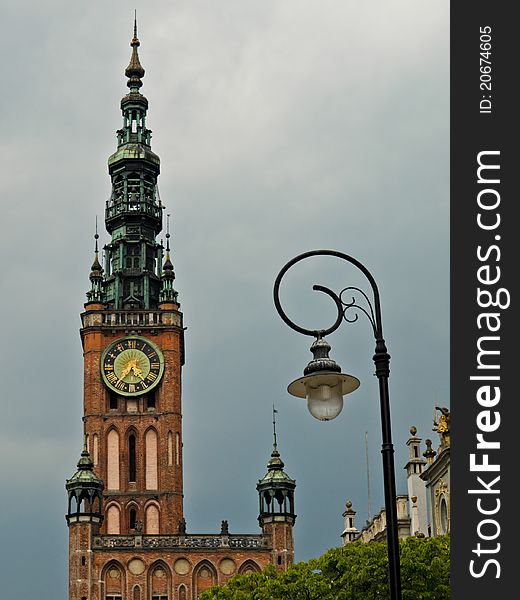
442	426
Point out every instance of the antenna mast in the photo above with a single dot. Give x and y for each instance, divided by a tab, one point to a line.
368	478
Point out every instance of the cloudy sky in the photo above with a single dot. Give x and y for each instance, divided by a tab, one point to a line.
283	126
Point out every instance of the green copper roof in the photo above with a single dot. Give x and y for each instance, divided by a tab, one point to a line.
275	473
131	150
84	476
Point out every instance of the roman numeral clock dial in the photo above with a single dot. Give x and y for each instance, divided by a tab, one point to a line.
131	366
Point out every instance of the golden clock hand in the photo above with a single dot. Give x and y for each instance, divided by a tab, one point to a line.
138	373
125	372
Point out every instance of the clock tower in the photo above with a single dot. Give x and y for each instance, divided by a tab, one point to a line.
128	538
132	339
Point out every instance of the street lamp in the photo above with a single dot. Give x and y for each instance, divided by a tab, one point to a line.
324	386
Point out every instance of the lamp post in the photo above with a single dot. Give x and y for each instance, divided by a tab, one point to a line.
324	386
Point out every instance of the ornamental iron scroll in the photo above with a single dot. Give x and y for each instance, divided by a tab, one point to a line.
372	310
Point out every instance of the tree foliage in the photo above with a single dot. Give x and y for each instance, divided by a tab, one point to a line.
357	571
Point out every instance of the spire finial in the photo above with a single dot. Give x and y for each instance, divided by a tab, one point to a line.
96	237
134	71
274	428
85	462
168	234
275	462
168	267
96	269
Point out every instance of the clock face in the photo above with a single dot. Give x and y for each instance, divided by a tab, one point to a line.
132	366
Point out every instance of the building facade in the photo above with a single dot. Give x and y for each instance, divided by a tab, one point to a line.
425	510
128	538
436	476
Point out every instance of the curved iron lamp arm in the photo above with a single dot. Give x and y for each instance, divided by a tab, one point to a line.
341	306
381	360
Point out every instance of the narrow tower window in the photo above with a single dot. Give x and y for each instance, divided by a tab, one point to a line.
170	449
95	449
113	460
151	460
131	458
177	449
133	518
152	519
113	522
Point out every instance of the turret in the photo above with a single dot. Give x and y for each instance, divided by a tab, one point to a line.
95	294
350	532
85	493
277	517
84	516
168	293
416	486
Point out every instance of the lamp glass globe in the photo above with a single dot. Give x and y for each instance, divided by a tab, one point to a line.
324	401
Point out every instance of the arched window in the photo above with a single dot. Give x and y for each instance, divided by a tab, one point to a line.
204	577
160	581
132	518
152	519
443	511
113	460
249	567
113	520
170	449
151	459
95	449
114	580
177	449
132	467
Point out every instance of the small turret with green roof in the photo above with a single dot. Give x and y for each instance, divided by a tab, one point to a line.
85	492
276	489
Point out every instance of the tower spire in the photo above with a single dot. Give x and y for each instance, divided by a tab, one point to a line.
168	234
96	266
133	215
274	428
134	71
95	294
168	293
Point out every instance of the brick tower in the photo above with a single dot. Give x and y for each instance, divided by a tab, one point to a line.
127	534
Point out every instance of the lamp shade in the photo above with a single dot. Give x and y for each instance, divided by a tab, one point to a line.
324	391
